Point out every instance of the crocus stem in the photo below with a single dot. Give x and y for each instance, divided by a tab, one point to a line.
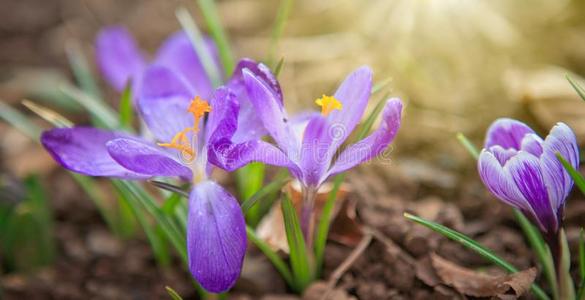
554	244
307	220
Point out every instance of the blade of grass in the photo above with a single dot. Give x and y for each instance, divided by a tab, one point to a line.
299	257
126	113
540	248
174	295
278	28
276	184
211	17
380	85
47	114
19	121
81	70
578	88
577	177
199	44
278	67
249	180
276	261
475	246
581	291
566	286
468	145
104	115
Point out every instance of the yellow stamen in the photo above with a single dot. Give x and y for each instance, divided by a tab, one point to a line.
328	104
180	141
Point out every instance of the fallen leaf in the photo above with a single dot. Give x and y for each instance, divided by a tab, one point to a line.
472	283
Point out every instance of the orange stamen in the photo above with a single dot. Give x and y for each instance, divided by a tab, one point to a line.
180	141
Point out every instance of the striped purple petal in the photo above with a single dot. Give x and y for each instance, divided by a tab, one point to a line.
507	133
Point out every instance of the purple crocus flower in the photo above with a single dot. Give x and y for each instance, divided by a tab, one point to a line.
120	60
216	236
310	153
522	169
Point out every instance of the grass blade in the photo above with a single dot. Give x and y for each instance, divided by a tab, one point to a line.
475	246
174	295
199	45
278	28
577	177
299	258
469	146
270	188
104	115
581	291
578	88
566	286
276	261
19	120
81	70
211	17
126	113
47	114
540	248
249	180
278	67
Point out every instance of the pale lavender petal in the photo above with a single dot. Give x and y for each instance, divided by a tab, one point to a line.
300	121
503	155
532	144
163	103
525	171
178	54
223	119
499	182
375	143
118	56
272	115
353	93
216	237
144	158
315	151
507	133
560	140
83	150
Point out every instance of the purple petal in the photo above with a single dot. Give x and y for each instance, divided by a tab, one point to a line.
216	237
499	182
532	144
118	56
178	54
83	150
229	156
272	114
141	157
315	151
525	171
507	133
222	121
561	139
353	93
261	71
501	154
375	143
163	103
300	121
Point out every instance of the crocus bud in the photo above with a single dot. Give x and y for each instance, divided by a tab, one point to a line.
522	169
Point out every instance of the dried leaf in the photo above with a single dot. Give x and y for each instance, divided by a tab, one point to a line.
476	284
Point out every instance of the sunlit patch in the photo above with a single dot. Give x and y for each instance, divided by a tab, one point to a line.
328	104
180	141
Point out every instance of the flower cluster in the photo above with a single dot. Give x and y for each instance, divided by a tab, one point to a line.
194	127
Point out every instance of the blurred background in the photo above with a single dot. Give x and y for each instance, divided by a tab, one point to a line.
457	64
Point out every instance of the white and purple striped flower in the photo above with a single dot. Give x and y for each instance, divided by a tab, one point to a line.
522	169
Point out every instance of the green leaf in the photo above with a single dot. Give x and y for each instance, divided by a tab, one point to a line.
299	257
126	113
475	246
199	45
278	28
380	85
469	146
174	295
249	179
578	88
276	261
581	292
577	177
19	121
171	203
81	70
540	249
211	17
566	287
278	67
103	114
